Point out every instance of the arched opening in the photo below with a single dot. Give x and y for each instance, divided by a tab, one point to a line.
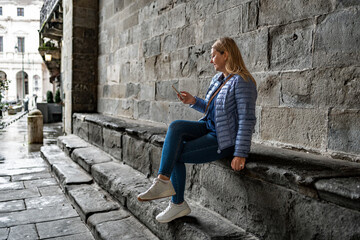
22	84
3	85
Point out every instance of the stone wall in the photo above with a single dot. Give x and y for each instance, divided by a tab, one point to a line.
79	58
303	54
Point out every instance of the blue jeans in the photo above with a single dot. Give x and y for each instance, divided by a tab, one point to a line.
187	142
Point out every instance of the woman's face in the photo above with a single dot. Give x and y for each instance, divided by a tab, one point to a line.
218	60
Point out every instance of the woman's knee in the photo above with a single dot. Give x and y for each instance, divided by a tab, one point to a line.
176	125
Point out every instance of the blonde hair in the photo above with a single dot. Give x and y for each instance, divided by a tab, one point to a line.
235	63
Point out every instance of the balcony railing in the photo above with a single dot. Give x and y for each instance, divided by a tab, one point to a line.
46	10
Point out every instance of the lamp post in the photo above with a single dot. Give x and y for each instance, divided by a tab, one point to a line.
22	70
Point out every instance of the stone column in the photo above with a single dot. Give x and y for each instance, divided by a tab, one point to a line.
79	58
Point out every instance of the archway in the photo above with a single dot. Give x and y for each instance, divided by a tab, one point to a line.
22	84
3	85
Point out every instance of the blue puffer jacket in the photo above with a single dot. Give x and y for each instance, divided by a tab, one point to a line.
234	112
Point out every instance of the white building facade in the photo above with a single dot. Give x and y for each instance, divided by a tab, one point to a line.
19	56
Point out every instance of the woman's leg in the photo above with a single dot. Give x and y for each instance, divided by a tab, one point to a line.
200	150
179	132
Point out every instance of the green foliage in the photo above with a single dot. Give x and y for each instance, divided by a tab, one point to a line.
4	85
57	96
49	97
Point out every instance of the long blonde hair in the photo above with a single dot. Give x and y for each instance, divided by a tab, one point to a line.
235	63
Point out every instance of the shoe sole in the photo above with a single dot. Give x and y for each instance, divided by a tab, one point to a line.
179	215
146	200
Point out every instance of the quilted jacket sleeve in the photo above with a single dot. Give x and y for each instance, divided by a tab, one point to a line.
199	105
245	97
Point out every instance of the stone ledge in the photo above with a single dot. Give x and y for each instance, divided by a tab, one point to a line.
285	180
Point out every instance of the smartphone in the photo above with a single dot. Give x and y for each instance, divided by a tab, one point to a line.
175	90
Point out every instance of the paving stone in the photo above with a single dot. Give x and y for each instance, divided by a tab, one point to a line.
46	201
61	227
342	191
4	233
11	186
86	157
127	228
70	174
12	206
89	199
26	177
50	191
37	215
70	142
80	236
18	194
40	183
11	172
23	232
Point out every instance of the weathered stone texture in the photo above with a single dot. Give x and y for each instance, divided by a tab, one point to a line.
344	131
304	127
337	39
303	54
113	143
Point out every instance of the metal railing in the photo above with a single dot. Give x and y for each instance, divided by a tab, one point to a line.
46	10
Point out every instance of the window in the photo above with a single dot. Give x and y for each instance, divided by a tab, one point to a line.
20	12
1	44
0	11
21	44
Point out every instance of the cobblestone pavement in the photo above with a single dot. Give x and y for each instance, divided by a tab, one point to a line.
32	204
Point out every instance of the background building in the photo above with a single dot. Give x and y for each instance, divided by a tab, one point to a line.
19	56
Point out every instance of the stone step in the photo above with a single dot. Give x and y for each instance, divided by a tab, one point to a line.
105	217
64	168
124	183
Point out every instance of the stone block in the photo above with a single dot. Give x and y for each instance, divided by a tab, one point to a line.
155	158
86	157
4	232
198	61
127	228
250	13
164	90
81	128
70	142
136	154
37	215
132	90
268	86
28	231
11	186
177	17
197	11
254	49
291	46
214	26
40	183
151	47
130	21
46	201
336	39
341	191
159	111
331	221
10	195
12	206
300	127
343	136
61	228
89	199
184	112
142	109
95	135
112	143
223	5
277	13
70	173
170	42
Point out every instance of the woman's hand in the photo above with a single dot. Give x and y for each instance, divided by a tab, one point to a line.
186	98
238	163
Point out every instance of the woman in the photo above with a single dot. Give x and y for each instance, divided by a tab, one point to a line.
224	131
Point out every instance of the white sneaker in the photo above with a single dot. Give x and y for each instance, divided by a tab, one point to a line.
159	189
173	211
